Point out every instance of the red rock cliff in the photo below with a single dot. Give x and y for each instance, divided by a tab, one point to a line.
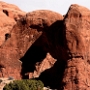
42	40
77	27
9	14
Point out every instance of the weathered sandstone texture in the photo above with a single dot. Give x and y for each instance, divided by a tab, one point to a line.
46	45
32	43
9	14
24	45
77	28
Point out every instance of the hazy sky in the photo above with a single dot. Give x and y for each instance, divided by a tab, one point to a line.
60	6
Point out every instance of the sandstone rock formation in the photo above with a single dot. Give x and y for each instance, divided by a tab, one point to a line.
47	63
9	14
77	28
40	36
47	45
30	33
27	36
11	11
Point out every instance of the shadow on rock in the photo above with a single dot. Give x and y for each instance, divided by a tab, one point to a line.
53	77
51	41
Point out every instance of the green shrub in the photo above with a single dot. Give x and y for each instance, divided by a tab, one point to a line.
24	84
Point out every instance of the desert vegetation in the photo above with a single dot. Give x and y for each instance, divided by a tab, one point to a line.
24	84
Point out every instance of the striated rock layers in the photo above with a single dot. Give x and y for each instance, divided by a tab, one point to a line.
46	45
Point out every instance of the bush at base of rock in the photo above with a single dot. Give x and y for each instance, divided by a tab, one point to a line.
25	84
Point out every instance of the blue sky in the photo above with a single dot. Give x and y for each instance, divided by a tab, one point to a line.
60	6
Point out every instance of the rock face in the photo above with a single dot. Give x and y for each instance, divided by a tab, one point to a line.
77	28
9	14
32	41
26	42
47	63
47	45
30	27
11	11
40	38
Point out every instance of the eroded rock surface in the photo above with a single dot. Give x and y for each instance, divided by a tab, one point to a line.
9	14
32	39
44	44
25	45
47	63
77	26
